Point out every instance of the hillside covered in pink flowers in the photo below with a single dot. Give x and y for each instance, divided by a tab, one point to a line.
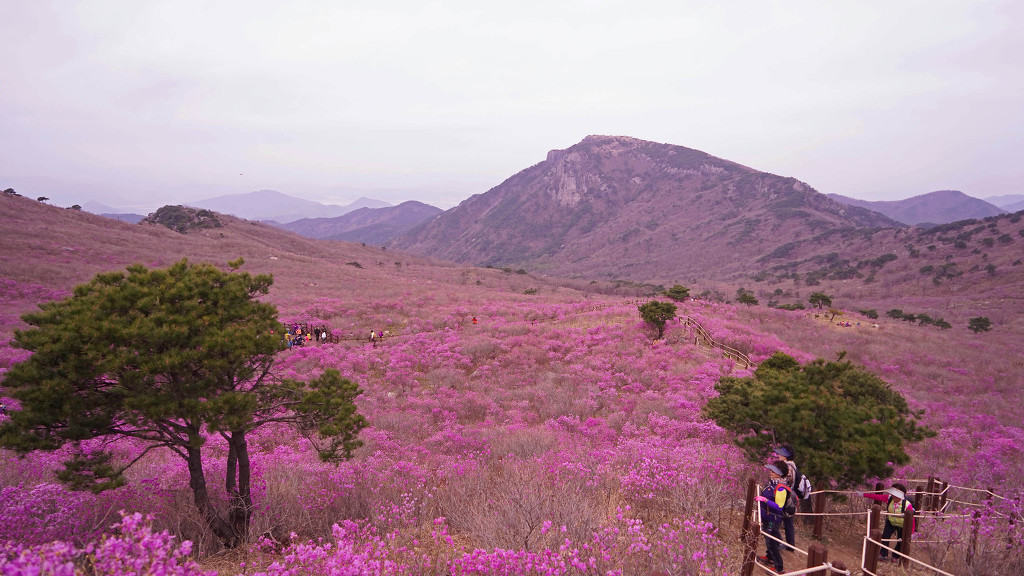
550	436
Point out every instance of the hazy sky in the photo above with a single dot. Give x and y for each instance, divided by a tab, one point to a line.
140	103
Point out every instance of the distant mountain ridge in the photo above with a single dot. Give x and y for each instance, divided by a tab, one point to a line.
282	208
1008	202
619	207
366	225
941	207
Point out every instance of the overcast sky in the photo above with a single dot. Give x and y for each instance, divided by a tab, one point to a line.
138	104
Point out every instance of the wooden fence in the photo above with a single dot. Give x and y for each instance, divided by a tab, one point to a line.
710	342
932	500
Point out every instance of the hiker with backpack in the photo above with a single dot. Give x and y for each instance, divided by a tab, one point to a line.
773	498
801	488
896	504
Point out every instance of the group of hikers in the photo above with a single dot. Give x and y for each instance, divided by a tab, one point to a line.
378	336
302	334
787	489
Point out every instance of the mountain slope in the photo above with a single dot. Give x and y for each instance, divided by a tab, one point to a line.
618	207
368	225
940	207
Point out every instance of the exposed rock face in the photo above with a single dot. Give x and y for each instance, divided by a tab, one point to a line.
618	207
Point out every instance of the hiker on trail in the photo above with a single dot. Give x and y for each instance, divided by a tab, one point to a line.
773	499
785	451
474	319
896	504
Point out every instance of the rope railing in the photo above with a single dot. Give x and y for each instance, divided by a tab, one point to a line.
816	554
938	507
920	564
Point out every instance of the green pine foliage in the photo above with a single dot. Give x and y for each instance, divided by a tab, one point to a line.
678	293
819	300
979	324
657	313
167	356
846	424
747	298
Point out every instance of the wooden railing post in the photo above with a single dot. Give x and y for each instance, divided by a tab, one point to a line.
819	518
817	555
748	508
974	539
929	499
750	548
871	549
908	526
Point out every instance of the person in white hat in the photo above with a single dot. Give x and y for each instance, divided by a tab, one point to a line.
896	504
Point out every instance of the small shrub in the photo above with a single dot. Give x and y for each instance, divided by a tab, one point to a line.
979	324
869	313
354	264
883	260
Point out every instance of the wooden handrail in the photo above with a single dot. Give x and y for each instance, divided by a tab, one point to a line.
729	351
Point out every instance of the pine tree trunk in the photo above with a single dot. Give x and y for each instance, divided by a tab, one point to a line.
241	494
201	497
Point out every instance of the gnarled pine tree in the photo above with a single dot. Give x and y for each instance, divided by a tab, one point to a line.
167	357
845	423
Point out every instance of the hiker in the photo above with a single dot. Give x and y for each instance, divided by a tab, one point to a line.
896	504
785	451
773	499
474	319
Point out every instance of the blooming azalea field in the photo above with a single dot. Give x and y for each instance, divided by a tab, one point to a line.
552	436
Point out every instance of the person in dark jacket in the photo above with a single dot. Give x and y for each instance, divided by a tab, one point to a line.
773	499
785	452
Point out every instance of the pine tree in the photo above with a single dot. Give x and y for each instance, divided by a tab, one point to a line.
678	293
167	357
845	424
657	313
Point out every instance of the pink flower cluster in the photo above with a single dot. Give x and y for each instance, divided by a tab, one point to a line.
134	550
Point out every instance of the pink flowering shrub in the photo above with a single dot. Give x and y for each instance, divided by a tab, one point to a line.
134	549
552	437
620	545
